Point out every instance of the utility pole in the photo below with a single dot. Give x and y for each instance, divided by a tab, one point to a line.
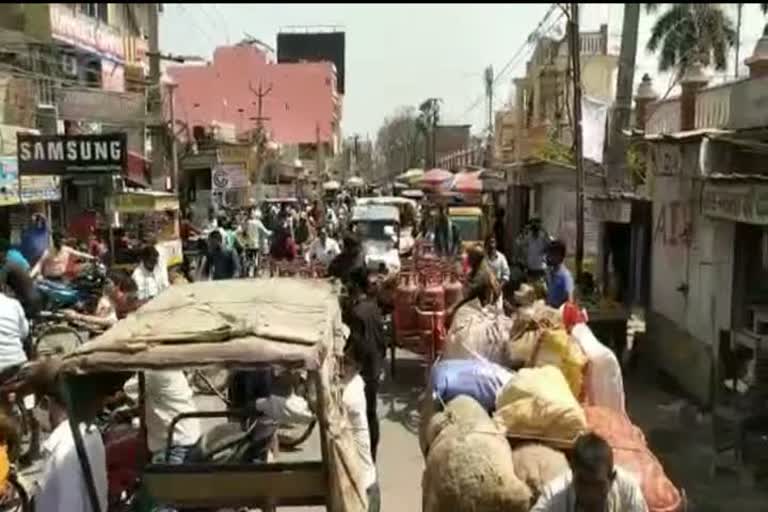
738	39
317	148
489	96
261	137
155	105
617	154
171	87
575	51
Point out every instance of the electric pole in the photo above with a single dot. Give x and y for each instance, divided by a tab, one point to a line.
738	39
154	100
171	87
260	135
617	153
575	51
489	97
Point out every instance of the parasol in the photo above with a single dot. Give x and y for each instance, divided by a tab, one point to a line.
411	175
355	181
331	185
436	178
468	182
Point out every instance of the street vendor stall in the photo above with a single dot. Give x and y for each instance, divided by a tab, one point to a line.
286	323
141	214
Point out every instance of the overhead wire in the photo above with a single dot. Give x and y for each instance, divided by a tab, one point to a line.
530	40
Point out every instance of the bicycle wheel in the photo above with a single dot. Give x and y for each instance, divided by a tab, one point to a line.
15	497
291	438
56	340
29	432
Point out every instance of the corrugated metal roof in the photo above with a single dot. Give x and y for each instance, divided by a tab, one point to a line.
719	176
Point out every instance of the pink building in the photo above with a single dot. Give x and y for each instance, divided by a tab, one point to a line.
301	107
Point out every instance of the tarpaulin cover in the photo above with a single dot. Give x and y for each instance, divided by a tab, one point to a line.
241	324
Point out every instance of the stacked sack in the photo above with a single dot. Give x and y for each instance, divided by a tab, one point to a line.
539	338
469	464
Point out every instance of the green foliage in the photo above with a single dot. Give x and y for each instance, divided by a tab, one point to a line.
636	163
688	32
555	151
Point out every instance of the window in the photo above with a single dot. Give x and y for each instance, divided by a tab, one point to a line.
98	11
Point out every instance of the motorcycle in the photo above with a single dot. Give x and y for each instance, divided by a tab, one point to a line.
82	293
18	403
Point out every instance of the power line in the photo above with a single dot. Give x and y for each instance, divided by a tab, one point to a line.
531	39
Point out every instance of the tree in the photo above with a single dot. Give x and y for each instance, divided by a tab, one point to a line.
685	33
400	142
429	117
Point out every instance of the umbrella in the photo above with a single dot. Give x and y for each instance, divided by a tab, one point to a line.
436	178
411	175
468	183
331	185
355	181
412	194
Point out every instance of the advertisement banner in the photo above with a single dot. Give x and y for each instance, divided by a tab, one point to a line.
229	176
30	189
72	154
9	181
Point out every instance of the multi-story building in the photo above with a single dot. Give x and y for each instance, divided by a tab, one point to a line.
65	68
535	146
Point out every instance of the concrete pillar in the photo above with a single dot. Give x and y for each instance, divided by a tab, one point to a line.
758	62
693	80
645	96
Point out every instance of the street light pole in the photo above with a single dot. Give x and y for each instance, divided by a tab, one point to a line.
575	51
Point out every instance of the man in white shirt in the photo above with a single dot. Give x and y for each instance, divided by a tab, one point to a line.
593	484
354	401
498	262
536	244
62	486
167	395
323	249
14	329
149	276
255	231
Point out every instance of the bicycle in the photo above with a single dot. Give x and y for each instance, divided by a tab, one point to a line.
15	497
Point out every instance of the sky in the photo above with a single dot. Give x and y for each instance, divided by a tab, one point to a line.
400	54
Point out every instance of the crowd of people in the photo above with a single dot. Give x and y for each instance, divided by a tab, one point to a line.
234	244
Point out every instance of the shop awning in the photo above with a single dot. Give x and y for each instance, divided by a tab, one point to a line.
138	201
137	169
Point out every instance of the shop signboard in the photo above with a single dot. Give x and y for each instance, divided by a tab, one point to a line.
137	203
738	203
229	176
72	154
111	107
610	210
30	189
85	32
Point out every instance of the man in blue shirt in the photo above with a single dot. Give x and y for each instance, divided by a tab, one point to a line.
10	255
559	279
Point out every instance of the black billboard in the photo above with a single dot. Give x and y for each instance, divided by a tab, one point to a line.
72	154
313	47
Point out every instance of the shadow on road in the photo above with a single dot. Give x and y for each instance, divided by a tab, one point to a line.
401	394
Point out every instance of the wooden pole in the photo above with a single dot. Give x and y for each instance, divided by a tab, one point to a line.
575	50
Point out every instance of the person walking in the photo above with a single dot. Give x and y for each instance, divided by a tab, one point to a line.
323	249
366	343
497	261
560	286
149	276
221	262
535	245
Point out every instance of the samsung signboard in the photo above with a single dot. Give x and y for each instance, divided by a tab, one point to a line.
72	154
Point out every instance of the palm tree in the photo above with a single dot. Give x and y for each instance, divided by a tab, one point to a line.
685	33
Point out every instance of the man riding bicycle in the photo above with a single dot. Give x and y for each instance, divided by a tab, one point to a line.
256	236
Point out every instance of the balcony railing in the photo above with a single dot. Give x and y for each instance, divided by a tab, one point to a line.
713	107
593	43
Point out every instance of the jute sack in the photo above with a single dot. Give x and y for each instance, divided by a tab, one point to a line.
537	465
469	464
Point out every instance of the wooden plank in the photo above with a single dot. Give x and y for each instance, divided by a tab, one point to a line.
211	485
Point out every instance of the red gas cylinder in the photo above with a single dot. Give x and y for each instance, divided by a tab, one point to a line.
432	297
406	294
453	289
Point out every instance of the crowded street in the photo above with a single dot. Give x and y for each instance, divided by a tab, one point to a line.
383	257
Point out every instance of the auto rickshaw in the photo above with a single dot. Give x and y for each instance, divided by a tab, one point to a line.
472	224
287	323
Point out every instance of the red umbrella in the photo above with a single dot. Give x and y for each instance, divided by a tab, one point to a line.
436	178
468	183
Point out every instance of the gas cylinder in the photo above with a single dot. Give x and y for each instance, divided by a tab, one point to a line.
432	297
453	289
405	303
